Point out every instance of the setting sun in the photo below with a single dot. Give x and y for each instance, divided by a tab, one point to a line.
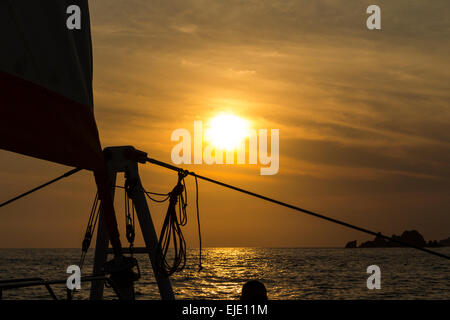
227	131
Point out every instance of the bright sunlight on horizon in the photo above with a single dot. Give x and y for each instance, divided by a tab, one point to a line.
227	131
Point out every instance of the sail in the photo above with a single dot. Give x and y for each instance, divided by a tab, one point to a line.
46	89
46	95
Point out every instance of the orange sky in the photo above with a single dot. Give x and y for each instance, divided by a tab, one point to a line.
363	118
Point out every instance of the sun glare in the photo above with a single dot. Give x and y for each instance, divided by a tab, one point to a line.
227	131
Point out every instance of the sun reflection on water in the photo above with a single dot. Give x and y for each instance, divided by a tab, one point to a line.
288	273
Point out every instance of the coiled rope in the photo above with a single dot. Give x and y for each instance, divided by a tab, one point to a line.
171	231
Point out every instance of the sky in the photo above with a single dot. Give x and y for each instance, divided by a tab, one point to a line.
363	118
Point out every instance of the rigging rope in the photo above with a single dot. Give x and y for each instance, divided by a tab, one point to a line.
287	205
92	223
148	194
281	203
65	175
129	217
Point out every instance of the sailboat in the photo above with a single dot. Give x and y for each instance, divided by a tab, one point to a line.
47	112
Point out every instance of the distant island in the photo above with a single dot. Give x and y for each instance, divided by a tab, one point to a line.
412	237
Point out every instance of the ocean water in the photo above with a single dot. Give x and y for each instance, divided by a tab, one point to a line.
288	273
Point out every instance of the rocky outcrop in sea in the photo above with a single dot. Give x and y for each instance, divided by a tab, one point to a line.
412	237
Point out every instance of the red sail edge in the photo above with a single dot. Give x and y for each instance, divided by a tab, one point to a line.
40	123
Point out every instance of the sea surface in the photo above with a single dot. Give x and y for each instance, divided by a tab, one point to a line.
288	273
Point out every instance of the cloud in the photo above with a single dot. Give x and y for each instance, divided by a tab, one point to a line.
187	28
